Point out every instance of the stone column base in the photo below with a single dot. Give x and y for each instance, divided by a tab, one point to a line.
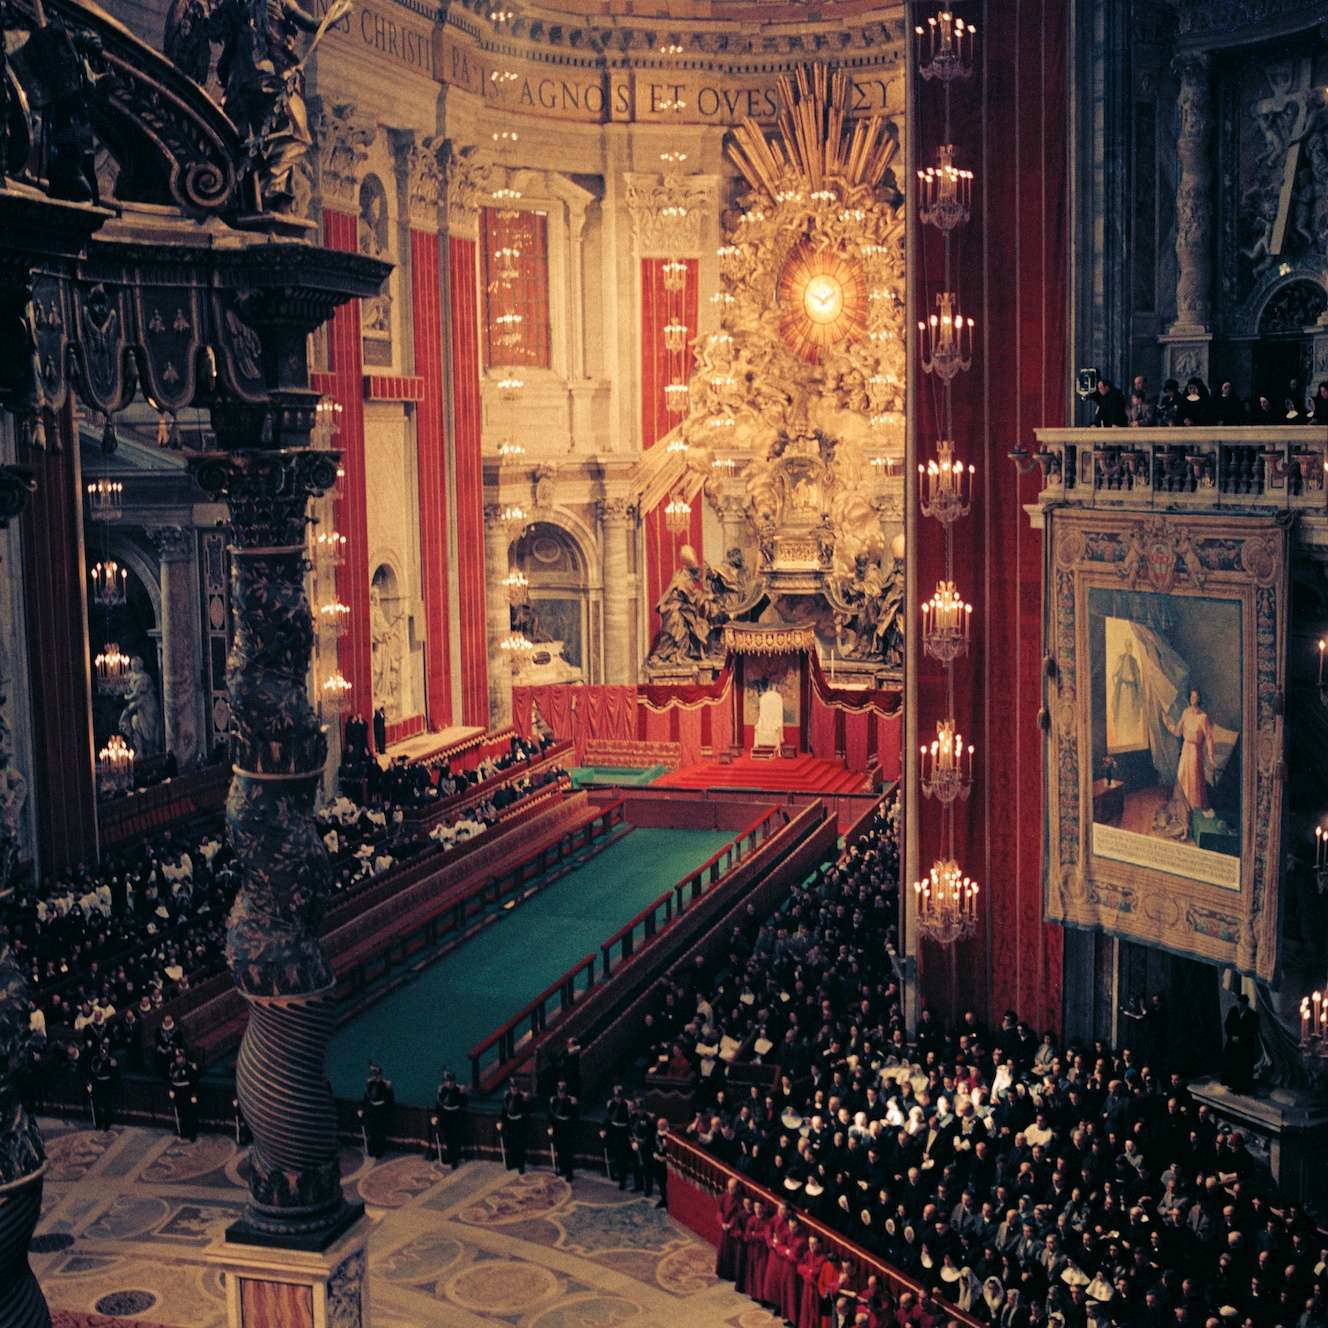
296	1288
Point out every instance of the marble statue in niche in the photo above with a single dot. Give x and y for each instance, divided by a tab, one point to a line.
385	637
140	720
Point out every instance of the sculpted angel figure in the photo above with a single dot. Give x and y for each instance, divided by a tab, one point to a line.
261	70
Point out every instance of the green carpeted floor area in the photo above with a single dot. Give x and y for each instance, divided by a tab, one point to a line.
587	776
445	1010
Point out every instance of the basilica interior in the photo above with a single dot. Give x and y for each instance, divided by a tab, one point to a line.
818	512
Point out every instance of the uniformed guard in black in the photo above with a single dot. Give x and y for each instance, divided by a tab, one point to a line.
184	1095
450	1116
102	1075
641	1131
562	1130
618	1136
376	1111
512	1125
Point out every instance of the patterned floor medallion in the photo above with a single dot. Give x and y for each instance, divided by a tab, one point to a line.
69	1157
423	1259
396	1182
524	1197
687	1271
183	1161
122	1304
592	1312
502	1287
51	1243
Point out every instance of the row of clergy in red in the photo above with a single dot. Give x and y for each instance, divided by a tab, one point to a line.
774	1260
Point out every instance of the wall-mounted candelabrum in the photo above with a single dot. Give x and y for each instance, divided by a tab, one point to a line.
946	620
945	47
945	486
115	765
109	583
947	903
945	192
947	766
946	339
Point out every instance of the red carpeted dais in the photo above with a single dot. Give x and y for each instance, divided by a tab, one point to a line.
800	774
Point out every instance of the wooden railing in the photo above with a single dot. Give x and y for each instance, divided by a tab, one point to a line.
534	1019
515	1038
428	814
696	1180
451	915
672	903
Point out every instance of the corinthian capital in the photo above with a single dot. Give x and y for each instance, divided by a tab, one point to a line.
343	140
174	543
418	160
461	180
615	511
667	211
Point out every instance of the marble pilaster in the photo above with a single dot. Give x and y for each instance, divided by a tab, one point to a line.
616	518
180	640
497	543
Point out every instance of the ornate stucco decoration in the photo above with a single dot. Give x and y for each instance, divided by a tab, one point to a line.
668	210
807	372
343	140
420	163
461	181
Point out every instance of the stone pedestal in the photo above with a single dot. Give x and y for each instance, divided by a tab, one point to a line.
296	1288
1291	1125
1185	354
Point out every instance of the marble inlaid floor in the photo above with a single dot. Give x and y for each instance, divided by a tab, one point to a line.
127	1214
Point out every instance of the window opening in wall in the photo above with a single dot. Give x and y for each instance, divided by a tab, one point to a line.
515	246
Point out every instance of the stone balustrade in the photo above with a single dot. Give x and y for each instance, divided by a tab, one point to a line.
1232	469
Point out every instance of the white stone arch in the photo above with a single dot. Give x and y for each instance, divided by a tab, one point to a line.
585	584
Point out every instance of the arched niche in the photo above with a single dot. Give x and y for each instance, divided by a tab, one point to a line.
558	571
134	626
387	636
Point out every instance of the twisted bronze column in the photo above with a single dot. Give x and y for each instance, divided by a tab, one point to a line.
278	750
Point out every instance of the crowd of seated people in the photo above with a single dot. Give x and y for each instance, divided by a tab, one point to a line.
1014	1180
403	783
1196	406
104	947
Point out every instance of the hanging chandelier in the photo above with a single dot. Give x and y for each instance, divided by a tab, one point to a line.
516	645
947	903
333	618
723	466
945	193
678	514
112	669
329	548
675	398
336	693
508	451
941	485
1314	1035
945	47
105	500
109	581
115	765
677	446
674	272
946	339
509	389
675	336
945	760
327	421
945	623
517	586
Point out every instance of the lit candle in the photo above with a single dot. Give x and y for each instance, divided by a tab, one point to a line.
1304	1019
1322	645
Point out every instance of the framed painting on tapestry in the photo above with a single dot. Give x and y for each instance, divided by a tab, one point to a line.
1165	777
